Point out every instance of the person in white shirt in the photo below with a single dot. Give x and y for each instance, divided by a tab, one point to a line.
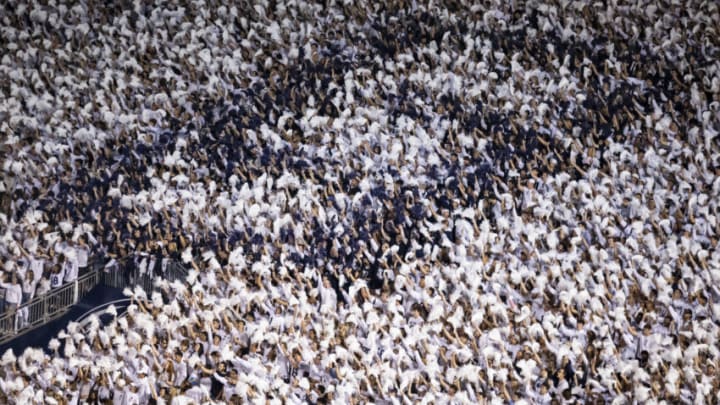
70	265
37	265
82	252
21	267
328	297
132	395
13	294
29	285
43	286
146	387
104	391
120	393
57	276
27	394
180	367
197	391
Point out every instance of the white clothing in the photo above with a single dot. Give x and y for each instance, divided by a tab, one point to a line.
13	293
56	280
71	270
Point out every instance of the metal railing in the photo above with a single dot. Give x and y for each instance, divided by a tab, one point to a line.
44	308
52	305
175	271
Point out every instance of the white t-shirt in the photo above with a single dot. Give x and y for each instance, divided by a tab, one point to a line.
13	293
28	287
26	395
132	398
181	400
181	373
142	263
70	268
144	391
37	266
43	287
103	393
74	397
21	267
82	256
56	279
328	299
198	393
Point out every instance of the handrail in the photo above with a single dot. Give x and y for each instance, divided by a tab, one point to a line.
42	309
52	305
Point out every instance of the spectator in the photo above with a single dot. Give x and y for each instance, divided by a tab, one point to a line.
43	285
82	253
70	265
57	276
29	286
13	297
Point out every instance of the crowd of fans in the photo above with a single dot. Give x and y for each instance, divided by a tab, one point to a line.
432	202
29	271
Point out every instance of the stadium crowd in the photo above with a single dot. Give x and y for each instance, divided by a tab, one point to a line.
432	202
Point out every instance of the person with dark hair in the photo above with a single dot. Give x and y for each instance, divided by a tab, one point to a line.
219	378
